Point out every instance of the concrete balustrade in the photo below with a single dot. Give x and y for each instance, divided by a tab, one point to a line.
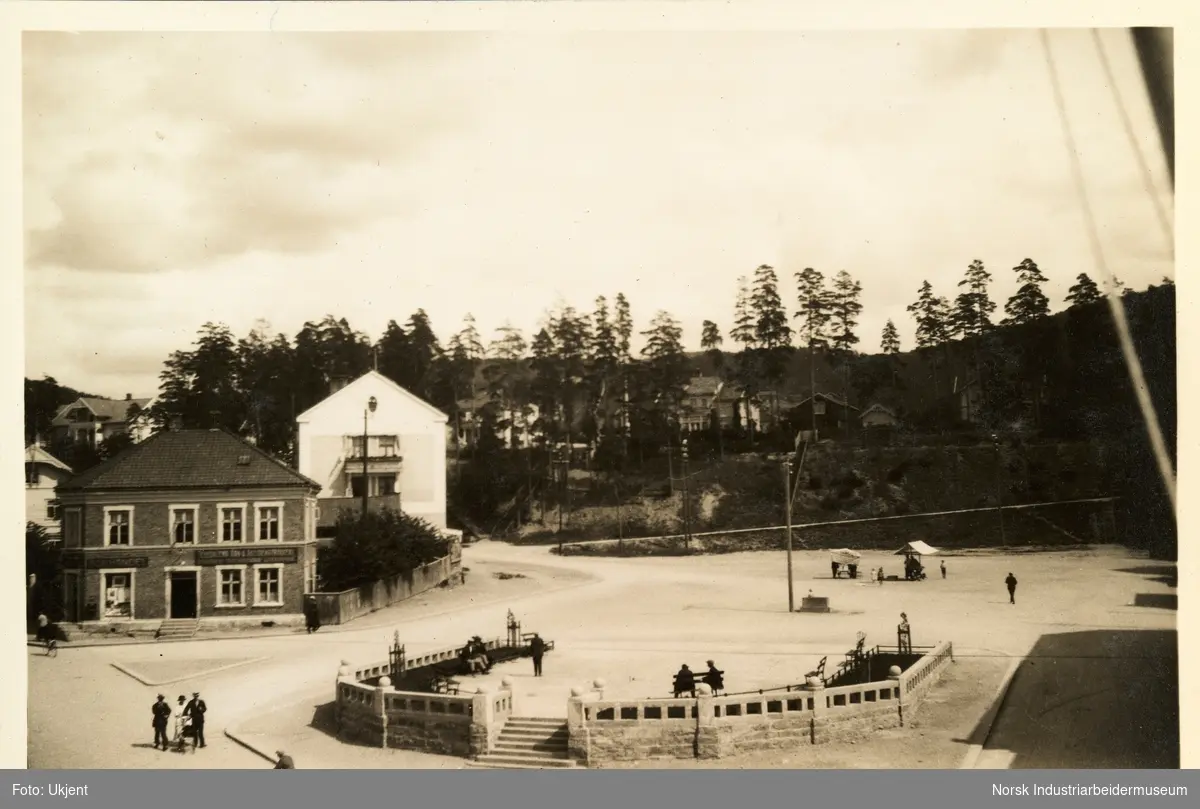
715	727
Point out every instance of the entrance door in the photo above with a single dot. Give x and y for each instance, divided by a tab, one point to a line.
71	597
183	594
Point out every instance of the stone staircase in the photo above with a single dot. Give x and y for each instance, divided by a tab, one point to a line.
177	629
529	743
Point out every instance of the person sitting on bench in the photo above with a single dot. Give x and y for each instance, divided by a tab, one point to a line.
715	678
685	682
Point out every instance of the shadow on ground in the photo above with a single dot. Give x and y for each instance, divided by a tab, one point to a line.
324	719
1162	601
1090	700
1163	574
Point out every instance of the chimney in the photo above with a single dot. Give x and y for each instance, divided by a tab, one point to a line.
337	383
175	423
129	397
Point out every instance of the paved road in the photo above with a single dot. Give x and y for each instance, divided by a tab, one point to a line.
628	621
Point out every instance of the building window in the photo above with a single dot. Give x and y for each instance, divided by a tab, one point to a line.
269	519
819	407
118	525
380	485
31	474
118	594
231	587
268	585
232	516
72	528
51	510
387	446
183	524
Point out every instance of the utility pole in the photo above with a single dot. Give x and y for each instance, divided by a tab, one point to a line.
999	502
687	505
787	501
366	488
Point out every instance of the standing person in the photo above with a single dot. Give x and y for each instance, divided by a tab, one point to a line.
1011	583
179	722
834	565
312	616
943	568
162	714
195	711
537	648
284	761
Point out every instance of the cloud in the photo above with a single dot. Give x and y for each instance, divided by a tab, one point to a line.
178	159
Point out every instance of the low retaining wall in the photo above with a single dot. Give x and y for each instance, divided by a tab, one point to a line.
369	710
343	607
715	727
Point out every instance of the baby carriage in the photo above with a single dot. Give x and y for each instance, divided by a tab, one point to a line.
184	731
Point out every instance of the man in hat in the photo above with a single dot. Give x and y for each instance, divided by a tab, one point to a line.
1011	584
943	568
195	710
284	761
537	649
162	715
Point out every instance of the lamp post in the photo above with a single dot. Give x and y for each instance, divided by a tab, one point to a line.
787	503
687	504
366	488
999	502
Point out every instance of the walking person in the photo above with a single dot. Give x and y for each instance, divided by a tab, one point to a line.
537	648
195	711
943	569
162	715
1011	583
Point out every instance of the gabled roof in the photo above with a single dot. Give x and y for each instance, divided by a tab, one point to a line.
433	411
829	397
35	454
881	408
110	410
190	459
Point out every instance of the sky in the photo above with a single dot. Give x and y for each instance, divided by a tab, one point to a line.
173	179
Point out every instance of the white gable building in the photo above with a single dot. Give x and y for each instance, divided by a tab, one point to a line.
405	450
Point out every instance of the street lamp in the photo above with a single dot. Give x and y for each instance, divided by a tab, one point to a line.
999	502
371	405
687	506
787	502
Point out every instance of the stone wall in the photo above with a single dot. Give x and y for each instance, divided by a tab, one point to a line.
376	714
716	727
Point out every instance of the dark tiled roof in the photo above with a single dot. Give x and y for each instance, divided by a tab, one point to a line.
111	410
189	459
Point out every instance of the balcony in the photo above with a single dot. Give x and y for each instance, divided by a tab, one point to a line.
379	448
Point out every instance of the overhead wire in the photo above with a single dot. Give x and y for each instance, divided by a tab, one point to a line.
1143	166
1115	304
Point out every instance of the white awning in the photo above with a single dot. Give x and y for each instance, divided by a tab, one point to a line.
918	547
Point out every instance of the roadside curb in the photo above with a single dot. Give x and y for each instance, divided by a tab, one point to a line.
233	736
974	751
131	673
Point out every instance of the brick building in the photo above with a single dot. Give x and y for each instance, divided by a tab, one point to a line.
192	525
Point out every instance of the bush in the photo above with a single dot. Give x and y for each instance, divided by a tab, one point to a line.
378	545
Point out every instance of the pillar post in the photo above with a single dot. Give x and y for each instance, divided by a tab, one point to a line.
579	741
708	740
481	722
820	708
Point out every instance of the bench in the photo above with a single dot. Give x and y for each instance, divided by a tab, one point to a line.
819	671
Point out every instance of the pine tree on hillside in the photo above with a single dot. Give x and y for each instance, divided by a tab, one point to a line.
710	342
973	307
771	329
744	324
623	326
814	308
504	378
1083	291
1029	303
933	317
666	360
890	341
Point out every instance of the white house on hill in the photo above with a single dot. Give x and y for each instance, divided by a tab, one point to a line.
42	473
405	449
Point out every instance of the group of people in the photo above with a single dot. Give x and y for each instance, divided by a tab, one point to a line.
184	719
851	569
475	655
685	680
